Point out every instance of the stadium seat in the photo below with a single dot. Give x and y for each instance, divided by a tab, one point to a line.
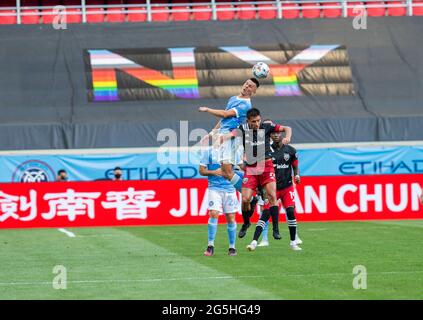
310	10
136	1
206	14
47	16
358	6
290	10
137	16
246	12
267	11
159	13
332	12
74	16
9	17
376	12
181	13
33	18
225	14
397	11
95	15
115	14
418	11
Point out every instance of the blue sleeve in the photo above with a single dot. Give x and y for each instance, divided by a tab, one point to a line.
204	161
242	109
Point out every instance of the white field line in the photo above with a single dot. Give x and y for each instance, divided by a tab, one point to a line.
281	276
68	233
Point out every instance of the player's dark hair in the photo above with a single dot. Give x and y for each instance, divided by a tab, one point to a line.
61	171
117	168
255	81
253	112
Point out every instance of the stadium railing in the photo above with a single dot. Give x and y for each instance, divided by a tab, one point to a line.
212	10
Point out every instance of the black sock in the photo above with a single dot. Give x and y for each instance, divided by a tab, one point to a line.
260	224
274	213
292	222
246	216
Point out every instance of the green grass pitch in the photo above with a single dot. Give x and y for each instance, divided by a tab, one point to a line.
168	263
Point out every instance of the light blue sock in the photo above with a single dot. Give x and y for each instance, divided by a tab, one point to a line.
212	229
232	234
265	231
236	180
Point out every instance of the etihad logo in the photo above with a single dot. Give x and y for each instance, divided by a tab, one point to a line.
214	72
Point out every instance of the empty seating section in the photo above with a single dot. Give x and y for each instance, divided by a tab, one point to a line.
290	10
267	11
119	11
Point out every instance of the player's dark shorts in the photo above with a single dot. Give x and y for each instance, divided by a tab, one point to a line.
287	197
261	174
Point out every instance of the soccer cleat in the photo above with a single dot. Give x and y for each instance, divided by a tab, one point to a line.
209	251
232	252
298	240
276	234
263	243
252	246
294	246
243	230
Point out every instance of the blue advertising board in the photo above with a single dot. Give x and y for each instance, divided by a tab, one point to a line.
184	165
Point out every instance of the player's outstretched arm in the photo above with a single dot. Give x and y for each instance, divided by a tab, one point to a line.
219	113
288	134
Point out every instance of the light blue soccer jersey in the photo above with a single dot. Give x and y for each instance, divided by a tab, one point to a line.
241	107
209	159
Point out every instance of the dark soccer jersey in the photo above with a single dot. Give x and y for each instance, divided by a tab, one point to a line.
257	142
283	159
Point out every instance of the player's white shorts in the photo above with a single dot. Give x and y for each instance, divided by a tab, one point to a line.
223	201
231	151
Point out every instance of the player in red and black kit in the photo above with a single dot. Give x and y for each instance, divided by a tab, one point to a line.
285	161
259	167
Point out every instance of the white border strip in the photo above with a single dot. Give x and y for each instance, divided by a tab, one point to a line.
299	146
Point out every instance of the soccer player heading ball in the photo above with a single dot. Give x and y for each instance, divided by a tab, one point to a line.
231	118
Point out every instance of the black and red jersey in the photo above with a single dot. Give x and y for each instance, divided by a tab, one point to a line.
283	158
257	142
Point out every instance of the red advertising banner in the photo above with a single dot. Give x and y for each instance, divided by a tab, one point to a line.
171	202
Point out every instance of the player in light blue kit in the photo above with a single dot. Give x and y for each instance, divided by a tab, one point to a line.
222	198
232	117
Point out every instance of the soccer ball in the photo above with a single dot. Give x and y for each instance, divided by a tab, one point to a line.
261	70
